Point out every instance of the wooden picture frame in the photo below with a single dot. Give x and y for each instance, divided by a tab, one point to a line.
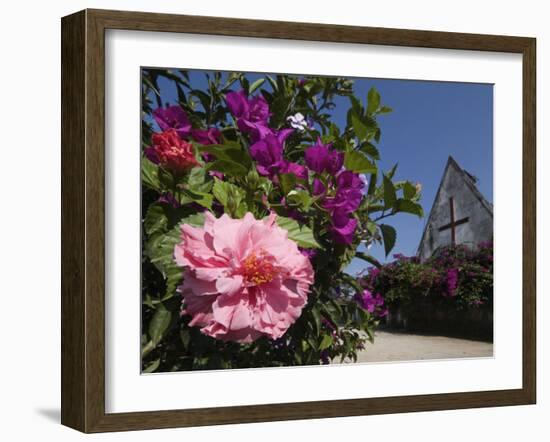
83	220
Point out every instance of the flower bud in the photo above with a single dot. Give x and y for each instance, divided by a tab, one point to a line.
253	179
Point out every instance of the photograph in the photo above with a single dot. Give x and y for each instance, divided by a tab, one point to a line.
298	221
293	220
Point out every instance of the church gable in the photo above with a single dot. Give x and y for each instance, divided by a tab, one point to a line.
459	215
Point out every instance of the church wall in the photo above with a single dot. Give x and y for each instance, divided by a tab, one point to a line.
466	204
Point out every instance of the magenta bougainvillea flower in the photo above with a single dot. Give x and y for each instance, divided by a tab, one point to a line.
372	303
308	253
268	154
243	278
321	158
168	198
295	169
452	281
252	114
171	152
318	187
343	227
348	193
173	117
342	204
208	136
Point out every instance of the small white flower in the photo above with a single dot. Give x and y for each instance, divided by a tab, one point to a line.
363	178
298	122
367	243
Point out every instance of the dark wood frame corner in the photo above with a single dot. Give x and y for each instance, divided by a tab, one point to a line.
83	216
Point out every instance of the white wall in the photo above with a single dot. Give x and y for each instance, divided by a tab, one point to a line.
30	186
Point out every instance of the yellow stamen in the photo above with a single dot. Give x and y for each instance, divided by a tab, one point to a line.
258	270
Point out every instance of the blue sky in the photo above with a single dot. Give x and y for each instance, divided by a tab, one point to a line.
430	121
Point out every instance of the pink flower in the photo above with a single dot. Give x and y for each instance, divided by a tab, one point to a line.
243	278
171	152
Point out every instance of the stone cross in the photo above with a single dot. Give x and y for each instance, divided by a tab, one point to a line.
453	223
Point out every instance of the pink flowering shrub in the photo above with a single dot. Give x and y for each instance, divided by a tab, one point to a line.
450	293
457	276
254	203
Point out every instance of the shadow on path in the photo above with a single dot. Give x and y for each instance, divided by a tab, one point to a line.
413	347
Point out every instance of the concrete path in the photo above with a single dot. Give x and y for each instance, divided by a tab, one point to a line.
390	346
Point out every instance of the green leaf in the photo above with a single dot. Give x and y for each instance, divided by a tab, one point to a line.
385	110
372	183
227	167
160	249
390	196
155	219
159	324
185	336
301	197
256	85
220	191
196	177
316	319
358	162
245	84
358	127
152	367
161	217
195	220
409	206
203	97
202	198
343	255
334	130
229	152
279	108
370	334
409	190
392	171
288	182
272	82
372	227
231	197
149	302
352	281
149	174
166	178
371	150
147	348
356	105
332	311
369	258
388	235
326	342
373	101
302	235
265	185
